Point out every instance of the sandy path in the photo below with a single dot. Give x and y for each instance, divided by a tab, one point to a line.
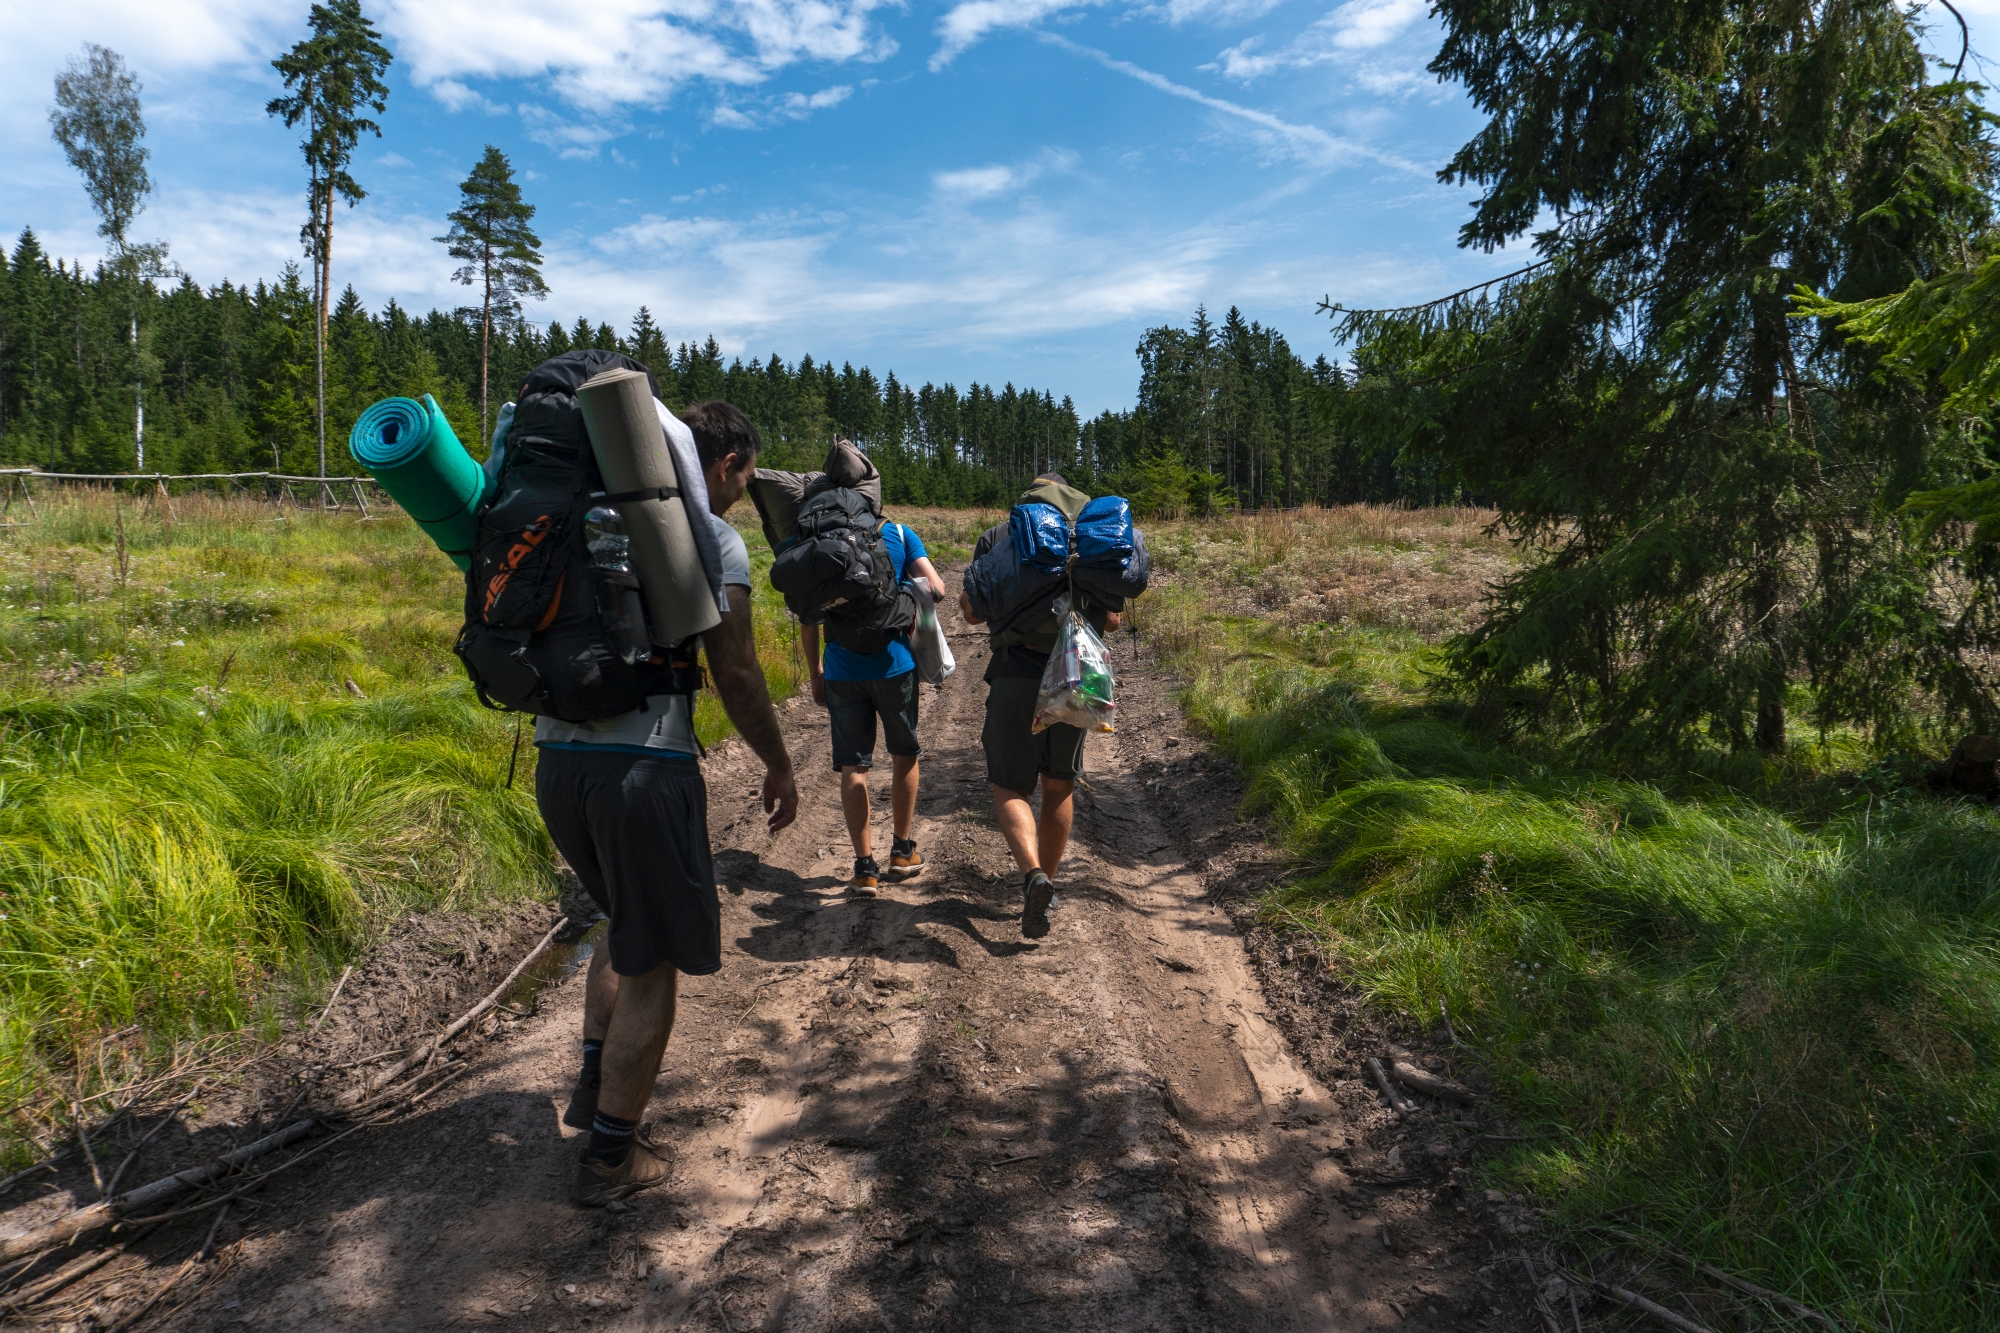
889	1114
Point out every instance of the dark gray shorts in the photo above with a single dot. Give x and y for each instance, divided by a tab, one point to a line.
635	830
1015	756
853	706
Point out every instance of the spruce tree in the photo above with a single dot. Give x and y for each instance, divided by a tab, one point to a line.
490	232
1697	478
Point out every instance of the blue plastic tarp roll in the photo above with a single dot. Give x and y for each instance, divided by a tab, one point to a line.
409	448
1041	536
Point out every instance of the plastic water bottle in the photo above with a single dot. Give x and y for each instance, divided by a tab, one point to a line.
619	606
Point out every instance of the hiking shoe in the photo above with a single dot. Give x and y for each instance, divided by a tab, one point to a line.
867	879
1035	914
582	1105
905	861
599	1183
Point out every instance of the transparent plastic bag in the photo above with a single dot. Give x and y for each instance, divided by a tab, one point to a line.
1076	684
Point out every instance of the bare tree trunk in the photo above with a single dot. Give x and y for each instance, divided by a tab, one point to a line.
325	286
485	337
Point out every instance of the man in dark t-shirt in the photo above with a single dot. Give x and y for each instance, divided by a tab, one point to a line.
1016	756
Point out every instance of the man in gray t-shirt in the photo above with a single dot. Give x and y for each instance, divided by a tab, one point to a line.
624	800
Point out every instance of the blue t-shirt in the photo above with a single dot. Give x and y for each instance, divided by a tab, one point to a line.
905	547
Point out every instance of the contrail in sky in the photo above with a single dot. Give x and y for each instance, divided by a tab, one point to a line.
1311	136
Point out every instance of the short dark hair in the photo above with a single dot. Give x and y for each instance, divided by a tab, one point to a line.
720	429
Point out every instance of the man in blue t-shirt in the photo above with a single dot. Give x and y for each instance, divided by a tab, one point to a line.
856	689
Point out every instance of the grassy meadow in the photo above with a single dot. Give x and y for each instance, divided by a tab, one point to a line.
1748	1009
233	748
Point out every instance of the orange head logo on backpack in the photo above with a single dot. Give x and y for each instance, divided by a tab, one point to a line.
531	538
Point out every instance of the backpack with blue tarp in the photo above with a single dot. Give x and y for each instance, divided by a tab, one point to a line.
1039	554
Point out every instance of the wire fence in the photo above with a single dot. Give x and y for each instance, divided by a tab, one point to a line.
329	495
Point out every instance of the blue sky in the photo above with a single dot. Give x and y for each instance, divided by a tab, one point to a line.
989	189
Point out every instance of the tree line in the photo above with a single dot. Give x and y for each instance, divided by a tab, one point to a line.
1226	412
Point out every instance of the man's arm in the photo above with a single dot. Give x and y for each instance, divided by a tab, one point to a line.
809	644
739	683
922	565
965	609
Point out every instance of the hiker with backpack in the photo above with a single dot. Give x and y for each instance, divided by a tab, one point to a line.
555	626
848	573
1060	552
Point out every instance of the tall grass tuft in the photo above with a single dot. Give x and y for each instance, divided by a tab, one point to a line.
234	748
1766	1027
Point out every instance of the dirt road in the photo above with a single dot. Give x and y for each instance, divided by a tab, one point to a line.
899	1114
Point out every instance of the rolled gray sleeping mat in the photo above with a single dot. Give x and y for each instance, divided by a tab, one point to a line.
642	484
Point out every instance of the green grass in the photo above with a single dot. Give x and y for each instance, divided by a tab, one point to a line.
1751	1006
199	819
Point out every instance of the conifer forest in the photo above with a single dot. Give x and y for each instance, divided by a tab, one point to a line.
227	373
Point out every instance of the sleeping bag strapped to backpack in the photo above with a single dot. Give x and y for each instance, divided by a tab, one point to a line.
837	573
554	624
778	496
1039	554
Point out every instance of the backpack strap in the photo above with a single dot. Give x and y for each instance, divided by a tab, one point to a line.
650	493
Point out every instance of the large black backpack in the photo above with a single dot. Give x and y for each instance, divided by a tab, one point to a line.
550	628
839	574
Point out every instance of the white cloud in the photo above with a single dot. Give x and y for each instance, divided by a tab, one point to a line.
975	182
570	138
1338	38
1177	12
965	23
616	53
790	106
985	182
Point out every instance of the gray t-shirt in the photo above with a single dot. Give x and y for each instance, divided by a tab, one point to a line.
664	726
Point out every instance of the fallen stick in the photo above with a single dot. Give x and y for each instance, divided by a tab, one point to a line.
1660	1312
1417	1080
1744	1285
1397	1101
423	1053
179	1273
73	1226
139	1147
1535	1286
336	990
61	1278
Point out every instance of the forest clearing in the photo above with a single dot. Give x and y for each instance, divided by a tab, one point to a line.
1678	997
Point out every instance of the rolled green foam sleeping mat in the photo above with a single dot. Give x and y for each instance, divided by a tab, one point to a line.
632	453
409	448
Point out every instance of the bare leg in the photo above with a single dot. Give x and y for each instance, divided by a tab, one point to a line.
854	804
600	993
1052	832
642	1018
1017	825
903	795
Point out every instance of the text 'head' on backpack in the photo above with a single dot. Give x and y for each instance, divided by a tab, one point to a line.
554	623
837	572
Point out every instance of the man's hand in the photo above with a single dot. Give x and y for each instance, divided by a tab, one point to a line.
1112	620
818	687
781	798
965	609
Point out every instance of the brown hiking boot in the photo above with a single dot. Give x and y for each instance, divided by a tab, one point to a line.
867	881
905	861
598	1183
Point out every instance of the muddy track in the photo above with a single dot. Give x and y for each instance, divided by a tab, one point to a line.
898	1113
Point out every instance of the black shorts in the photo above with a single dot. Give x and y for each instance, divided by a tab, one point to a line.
1016	756
853	706
635	830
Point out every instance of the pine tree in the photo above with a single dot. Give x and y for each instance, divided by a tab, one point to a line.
1698	477
333	75
490	232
